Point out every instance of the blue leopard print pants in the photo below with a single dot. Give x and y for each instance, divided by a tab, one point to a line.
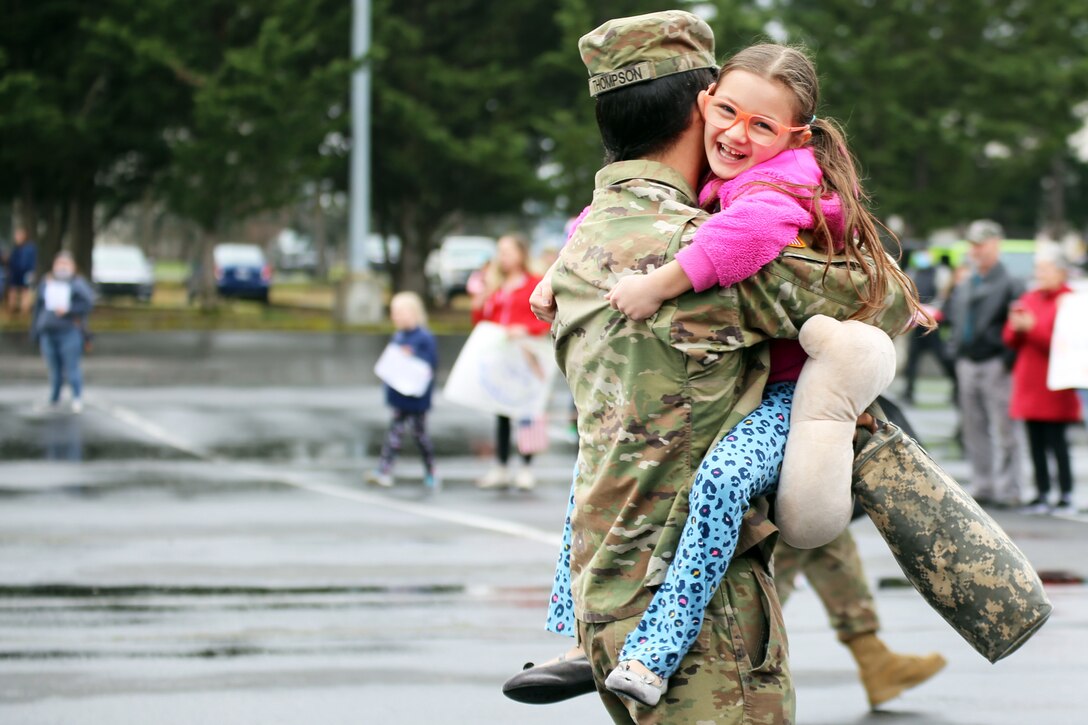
561	604
744	465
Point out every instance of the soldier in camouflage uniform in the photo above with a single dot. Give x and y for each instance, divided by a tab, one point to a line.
834	570
654	396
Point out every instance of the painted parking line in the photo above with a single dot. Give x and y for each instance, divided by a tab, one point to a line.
149	428
485	523
305	481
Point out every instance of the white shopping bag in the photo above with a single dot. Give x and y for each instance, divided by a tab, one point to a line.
403	371
498	374
1069	344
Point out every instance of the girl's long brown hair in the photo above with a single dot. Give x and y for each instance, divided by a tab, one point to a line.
792	68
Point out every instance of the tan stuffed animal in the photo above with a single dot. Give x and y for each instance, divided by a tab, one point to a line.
850	364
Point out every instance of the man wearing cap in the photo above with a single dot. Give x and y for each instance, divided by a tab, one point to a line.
978	309
654	396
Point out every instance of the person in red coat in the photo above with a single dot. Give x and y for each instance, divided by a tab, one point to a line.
507	304
1046	412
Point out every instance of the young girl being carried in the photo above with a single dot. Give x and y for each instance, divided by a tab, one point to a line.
777	171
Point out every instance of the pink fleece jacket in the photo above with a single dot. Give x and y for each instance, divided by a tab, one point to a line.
755	223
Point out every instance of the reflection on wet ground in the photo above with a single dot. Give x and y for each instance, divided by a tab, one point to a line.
66	443
72	591
331	452
345	438
129	610
198	546
129	614
27	433
221	358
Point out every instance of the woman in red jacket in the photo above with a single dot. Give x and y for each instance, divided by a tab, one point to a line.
508	305
1046	412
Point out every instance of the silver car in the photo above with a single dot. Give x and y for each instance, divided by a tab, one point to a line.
122	270
449	267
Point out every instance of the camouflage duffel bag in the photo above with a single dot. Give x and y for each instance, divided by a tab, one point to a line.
954	554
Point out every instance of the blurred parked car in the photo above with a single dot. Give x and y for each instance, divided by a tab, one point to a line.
122	270
448	267
295	253
241	270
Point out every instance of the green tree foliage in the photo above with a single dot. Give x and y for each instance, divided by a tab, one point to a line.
566	123
220	108
956	110
78	114
224	109
484	107
264	92
457	86
263	102
563	119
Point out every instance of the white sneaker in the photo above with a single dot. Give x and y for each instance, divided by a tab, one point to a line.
77	406
524	480
378	478
1038	506
497	477
632	679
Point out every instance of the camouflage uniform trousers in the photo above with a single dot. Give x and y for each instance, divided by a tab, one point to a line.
834	571
736	672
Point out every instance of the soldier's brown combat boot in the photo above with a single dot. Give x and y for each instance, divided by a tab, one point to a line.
886	674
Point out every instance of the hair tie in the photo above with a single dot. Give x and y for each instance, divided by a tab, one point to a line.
812	120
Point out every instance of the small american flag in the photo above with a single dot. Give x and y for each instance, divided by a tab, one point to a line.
532	435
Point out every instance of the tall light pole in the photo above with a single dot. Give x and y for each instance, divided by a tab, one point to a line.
359	298
359	224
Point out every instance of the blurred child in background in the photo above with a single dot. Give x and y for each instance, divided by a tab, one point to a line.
409	412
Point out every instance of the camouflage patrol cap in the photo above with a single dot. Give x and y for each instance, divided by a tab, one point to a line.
644	47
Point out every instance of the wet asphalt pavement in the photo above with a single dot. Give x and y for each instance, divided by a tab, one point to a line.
197	546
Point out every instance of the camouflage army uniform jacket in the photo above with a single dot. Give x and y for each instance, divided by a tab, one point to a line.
654	396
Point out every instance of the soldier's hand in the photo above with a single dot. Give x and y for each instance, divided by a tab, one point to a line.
542	301
868	422
634	296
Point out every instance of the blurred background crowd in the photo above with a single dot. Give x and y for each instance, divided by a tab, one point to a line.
177	202
183	153
177	127
186	166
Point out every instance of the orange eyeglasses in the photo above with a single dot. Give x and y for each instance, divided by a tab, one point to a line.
760	129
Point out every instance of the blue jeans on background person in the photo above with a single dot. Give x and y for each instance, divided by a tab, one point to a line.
63	352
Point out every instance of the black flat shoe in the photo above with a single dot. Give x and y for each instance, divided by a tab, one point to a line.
544	684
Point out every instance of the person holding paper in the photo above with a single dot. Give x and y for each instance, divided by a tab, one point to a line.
1046	413
60	316
508	305
408	387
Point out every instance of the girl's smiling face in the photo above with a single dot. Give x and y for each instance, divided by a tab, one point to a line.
731	151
